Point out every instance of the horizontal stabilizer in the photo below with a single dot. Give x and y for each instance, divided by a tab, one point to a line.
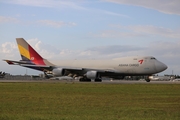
12	62
27	65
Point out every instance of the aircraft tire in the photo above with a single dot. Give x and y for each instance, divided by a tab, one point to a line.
98	80
84	80
88	80
147	79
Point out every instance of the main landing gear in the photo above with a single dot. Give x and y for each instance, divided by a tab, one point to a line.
147	79
98	80
84	79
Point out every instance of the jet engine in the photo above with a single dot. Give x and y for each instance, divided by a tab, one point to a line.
92	74
58	72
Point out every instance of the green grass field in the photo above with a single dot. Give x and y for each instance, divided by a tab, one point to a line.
89	101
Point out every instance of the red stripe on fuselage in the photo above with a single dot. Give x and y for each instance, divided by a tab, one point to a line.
35	57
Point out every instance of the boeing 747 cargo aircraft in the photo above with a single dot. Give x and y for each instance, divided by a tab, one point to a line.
88	69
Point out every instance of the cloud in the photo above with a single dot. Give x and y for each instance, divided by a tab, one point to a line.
112	49
7	49
56	24
165	6
167	50
4	19
115	34
63	4
108	52
108	13
45	50
163	49
47	3
49	51
138	31
153	30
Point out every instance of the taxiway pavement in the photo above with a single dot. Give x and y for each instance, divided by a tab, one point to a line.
104	81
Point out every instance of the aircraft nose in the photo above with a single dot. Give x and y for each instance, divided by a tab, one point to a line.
160	66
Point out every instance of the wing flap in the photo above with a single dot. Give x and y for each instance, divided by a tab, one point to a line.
70	68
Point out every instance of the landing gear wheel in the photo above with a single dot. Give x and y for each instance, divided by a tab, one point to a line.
81	79
98	80
84	80
147	79
88	80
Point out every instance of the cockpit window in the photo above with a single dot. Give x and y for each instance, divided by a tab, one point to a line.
153	58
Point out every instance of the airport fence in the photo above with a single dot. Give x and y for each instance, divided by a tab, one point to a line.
22	77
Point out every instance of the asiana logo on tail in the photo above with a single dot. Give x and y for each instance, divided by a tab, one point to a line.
32	58
141	61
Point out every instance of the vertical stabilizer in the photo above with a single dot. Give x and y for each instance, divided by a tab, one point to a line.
28	53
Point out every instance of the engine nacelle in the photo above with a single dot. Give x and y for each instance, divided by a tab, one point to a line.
92	74
58	72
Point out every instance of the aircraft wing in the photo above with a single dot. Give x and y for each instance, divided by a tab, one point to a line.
85	69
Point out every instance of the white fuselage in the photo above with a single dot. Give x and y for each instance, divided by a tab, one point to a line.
127	65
